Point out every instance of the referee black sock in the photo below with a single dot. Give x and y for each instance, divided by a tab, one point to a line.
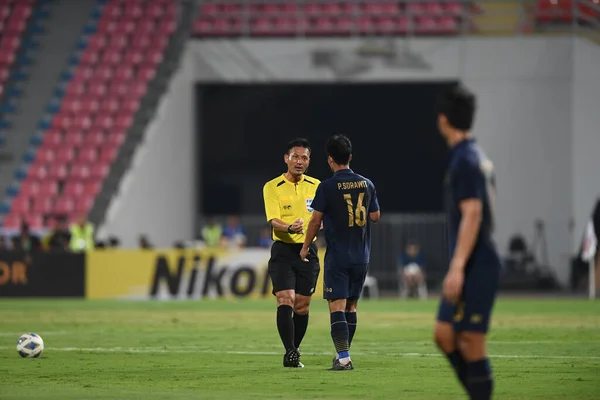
300	325
339	334
285	326
460	367
480	382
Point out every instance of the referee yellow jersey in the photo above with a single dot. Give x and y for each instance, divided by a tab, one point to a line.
289	202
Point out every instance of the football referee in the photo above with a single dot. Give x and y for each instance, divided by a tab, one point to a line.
288	210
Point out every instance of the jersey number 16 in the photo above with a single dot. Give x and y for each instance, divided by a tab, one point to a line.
356	215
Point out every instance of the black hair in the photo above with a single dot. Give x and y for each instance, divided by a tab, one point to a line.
298	142
458	105
339	148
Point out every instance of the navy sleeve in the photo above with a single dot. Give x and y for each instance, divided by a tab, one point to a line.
374	206
468	182
318	202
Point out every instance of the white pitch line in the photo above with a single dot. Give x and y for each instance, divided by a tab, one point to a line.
203	350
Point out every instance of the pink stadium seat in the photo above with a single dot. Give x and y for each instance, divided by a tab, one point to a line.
332	9
106	26
89	105
79	171
109	105
415	9
21	205
83	204
45	155
35	221
426	25
52	139
132	11
433	8
48	188
125	27
75	89
108	153
64	205
73	138
97	43
29	188
42	205
73	189
61	121
65	155
454	9
11	221
124	121
96	88
81	122
123	72
89	57
447	25
99	171
146	73
92	188
95	138
111	57
104	71
87	155
133	57
57	172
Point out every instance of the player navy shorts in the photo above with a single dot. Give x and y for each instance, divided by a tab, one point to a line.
473	311
343	282
289	272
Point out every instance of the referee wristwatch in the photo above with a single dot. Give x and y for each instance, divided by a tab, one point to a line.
290	230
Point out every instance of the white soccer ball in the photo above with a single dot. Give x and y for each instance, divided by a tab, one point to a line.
30	345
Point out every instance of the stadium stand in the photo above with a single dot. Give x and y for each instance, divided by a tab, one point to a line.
93	109
16	38
567	11
219	19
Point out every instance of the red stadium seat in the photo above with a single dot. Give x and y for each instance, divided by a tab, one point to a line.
57	172
79	172
48	189
64	205
21	205
73	189
92	188
37	171
65	155
99	171
42	205
83	204
45	155
108	153
95	138
87	155
11	221
124	72
109	105
73	138
35	221
29	188
52	139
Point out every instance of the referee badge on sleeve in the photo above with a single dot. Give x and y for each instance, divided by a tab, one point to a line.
308	205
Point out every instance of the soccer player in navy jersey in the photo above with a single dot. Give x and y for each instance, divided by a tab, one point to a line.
346	204
472	280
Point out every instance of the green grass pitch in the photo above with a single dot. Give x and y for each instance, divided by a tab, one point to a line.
540	349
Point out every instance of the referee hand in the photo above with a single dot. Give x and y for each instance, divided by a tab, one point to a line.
298	226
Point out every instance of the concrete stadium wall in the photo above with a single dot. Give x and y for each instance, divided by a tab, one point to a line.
528	89
157	195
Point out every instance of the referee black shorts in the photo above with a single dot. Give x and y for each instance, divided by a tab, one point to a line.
289	272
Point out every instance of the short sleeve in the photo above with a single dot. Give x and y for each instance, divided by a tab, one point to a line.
468	182
374	206
271	202
318	203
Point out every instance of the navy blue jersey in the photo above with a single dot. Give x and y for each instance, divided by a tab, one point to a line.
471	175
346	199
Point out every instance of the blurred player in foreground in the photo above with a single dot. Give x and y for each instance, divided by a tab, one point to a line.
471	283
288	201
346	203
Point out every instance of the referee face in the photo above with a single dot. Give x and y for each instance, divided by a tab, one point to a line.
297	160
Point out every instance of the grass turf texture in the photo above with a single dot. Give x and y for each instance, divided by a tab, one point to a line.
541	349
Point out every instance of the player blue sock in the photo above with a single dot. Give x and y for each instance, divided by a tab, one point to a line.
351	319
479	380
340	334
459	365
